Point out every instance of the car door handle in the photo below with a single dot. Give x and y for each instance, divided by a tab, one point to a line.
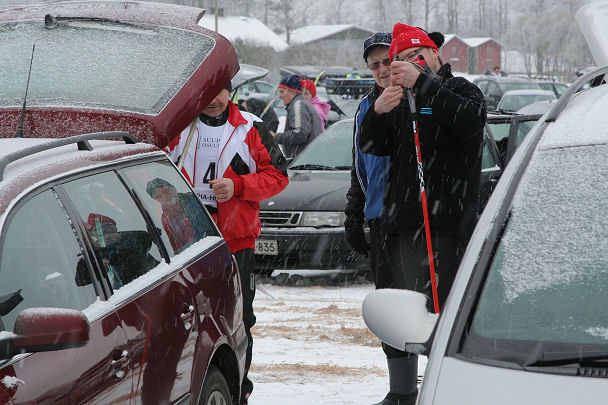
188	314
120	362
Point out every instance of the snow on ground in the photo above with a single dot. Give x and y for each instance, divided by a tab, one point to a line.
311	346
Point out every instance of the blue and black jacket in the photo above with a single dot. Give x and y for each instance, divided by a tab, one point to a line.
368	173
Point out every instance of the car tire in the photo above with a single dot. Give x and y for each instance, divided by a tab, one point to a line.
215	388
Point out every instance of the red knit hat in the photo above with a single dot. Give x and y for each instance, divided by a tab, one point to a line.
406	36
310	86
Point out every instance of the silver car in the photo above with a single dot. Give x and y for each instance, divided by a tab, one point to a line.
526	321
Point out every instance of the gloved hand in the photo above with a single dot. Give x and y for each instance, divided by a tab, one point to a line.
355	236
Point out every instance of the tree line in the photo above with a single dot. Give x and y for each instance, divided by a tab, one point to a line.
544	31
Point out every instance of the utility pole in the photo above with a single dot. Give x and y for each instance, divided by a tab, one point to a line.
216	15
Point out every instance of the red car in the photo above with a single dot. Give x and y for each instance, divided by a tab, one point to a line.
116	287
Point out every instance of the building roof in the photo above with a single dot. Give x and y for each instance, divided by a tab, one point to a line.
246	29
471	42
311	33
475	42
449	37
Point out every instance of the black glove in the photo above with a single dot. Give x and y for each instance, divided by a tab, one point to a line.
355	236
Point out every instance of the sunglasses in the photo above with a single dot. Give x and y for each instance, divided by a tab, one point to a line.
376	65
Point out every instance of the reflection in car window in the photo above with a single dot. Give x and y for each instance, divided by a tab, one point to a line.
137	73
332	148
124	246
40	260
173	206
550	265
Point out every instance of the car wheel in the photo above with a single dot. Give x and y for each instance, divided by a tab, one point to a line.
215	388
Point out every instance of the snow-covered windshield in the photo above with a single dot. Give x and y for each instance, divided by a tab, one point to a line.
332	148
548	281
97	64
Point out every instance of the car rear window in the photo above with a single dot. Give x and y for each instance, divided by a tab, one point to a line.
521	86
74	65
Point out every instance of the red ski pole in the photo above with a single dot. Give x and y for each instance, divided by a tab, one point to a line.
425	209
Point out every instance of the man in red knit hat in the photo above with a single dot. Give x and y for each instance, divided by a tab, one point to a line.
451	114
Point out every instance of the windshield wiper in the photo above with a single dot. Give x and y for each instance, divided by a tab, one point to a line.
312	166
565	358
51	21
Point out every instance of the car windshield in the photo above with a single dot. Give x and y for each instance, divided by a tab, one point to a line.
331	150
548	280
73	65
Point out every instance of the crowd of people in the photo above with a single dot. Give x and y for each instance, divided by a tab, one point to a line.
414	200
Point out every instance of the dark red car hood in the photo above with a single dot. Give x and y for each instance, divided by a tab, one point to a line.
56	120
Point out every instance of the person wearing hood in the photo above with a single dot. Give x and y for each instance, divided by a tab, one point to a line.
303	123
310	93
451	114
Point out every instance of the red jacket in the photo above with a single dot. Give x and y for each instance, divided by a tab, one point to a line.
248	155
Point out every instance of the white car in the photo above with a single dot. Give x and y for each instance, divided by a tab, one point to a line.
526	321
514	100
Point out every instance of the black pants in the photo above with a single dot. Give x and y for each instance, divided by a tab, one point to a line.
380	265
245	260
409	267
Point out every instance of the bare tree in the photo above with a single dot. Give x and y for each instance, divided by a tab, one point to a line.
452	13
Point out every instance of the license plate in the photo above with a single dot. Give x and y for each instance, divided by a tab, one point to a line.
266	247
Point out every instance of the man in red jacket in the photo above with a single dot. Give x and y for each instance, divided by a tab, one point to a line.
233	163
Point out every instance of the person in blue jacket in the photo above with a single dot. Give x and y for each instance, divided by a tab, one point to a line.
365	200
369	172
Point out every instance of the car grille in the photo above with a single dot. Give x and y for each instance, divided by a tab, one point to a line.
280	218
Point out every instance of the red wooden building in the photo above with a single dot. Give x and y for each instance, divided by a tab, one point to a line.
471	55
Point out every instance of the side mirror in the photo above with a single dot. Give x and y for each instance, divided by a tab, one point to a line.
46	329
399	317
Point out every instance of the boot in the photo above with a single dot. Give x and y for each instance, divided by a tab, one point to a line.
403	376
399	399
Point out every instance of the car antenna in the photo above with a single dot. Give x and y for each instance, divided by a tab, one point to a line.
19	132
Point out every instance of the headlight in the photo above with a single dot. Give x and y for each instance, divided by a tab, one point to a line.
323	218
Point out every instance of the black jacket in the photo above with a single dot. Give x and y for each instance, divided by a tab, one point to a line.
451	114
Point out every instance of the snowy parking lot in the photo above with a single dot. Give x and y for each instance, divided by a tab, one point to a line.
311	345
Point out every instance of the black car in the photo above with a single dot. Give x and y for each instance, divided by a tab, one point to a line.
303	226
494	87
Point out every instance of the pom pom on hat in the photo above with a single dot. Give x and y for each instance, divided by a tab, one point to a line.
437	38
405	37
310	86
291	82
